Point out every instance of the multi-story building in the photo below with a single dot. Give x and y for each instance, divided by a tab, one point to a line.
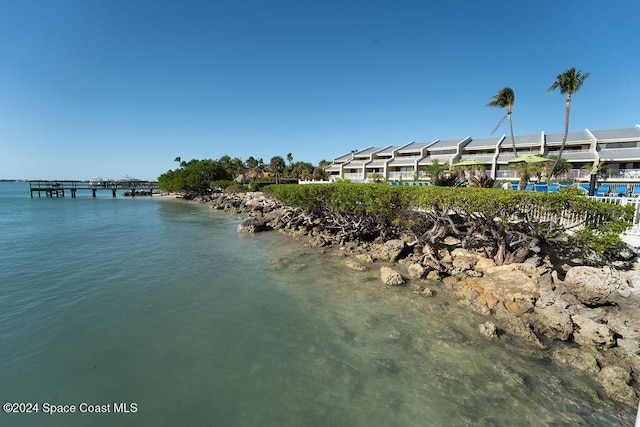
618	149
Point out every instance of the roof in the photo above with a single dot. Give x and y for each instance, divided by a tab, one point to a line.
617	134
556	138
332	168
523	140
608	154
578	155
414	147
368	151
343	158
483	143
354	164
403	161
450	143
377	163
444	158
387	151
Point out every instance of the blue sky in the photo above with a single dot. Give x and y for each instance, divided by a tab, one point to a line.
121	87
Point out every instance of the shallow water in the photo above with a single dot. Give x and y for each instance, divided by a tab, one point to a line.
161	303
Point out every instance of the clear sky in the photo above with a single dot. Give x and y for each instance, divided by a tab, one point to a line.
111	88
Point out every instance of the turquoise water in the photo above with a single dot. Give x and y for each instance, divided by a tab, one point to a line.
161	304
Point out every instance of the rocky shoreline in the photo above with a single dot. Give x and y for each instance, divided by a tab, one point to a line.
592	312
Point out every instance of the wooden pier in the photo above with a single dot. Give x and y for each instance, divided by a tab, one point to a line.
58	188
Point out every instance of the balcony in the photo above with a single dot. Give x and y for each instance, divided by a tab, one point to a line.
354	177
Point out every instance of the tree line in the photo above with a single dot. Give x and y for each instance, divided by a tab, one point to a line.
198	175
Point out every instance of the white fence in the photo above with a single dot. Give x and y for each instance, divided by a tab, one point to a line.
624	201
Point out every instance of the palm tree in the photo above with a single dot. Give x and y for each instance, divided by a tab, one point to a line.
569	82
505	99
439	174
290	158
277	166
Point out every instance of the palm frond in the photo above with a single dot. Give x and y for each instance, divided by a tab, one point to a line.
500	123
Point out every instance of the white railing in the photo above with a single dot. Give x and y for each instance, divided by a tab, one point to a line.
303	181
406	176
624	201
354	176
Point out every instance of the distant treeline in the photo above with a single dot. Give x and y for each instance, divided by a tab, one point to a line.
197	175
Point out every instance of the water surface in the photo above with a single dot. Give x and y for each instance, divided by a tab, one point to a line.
161	303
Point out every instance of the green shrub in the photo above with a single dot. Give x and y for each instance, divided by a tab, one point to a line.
385	209
235	188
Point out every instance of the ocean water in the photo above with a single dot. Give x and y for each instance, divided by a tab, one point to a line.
158	307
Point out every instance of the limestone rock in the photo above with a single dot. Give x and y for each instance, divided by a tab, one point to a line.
552	320
517	291
445	256
578	358
589	332
483	264
252	225
389	251
594	286
364	258
615	382
355	265
416	270
452	241
463	263
390	277
427	292
515	325
433	275
489	330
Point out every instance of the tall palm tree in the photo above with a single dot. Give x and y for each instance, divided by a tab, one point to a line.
505	99
569	82
277	167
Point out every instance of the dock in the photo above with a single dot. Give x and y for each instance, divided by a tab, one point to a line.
58	188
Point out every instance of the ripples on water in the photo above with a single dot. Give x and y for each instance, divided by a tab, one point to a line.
162	303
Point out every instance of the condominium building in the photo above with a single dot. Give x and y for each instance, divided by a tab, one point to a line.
618	149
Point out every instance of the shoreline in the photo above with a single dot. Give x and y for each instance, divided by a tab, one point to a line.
589	320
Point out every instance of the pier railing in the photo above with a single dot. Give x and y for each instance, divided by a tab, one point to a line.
58	188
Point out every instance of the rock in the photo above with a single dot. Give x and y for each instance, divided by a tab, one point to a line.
252	225
433	275
525	268
552	319
515	325
445	256
615	382
594	286
483	264
416	270
390	277
365	258
489	330
355	265
589	332
427	292
389	251
463	263
416	287
578	358
452	241
517	291
633	278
